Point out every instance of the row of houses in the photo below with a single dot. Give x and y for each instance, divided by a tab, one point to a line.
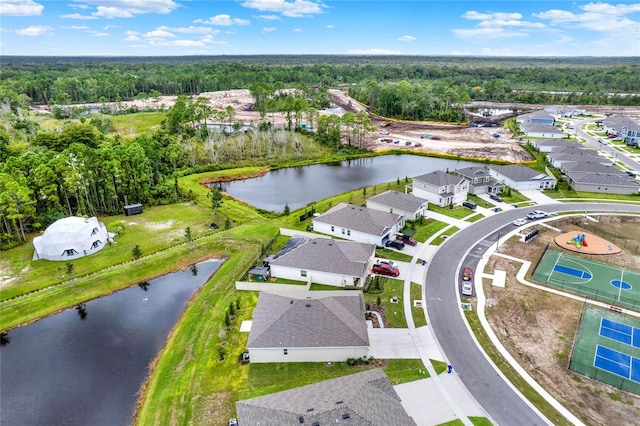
584	169
626	129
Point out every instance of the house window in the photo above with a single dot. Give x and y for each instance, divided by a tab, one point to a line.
286	351
333	228
69	252
303	273
95	231
348	231
95	244
343	231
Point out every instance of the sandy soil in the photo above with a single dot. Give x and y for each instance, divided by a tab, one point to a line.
539	328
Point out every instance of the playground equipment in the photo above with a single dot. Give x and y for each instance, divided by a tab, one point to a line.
579	241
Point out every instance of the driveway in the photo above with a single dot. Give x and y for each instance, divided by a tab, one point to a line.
538	197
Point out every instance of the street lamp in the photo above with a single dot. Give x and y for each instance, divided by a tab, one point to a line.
498	241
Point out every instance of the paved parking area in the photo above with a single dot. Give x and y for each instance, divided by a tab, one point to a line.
391	343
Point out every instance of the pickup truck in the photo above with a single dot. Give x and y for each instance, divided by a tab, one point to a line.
406	239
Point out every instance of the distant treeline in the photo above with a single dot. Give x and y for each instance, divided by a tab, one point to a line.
51	80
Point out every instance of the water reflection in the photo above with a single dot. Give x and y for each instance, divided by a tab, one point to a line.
60	370
194	269
4	338
144	285
299	186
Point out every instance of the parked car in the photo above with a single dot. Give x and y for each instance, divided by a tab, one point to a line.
233	422
538	214
467	274
396	244
496	197
384	132
611	136
469	204
417	145
406	239
407	143
385	269
632	174
396	141
388	262
520	222
467	288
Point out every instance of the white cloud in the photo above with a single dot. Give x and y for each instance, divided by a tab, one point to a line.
292	9
330	26
477	16
161	42
487	33
189	43
78	16
158	33
108	27
77	6
20	8
268	29
407	38
131	36
601	17
297	30
223	20
75	27
189	30
268	17
373	52
130	8
34	30
99	34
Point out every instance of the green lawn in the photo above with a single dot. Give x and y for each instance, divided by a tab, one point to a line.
474	218
430	227
133	125
457	212
439	240
385	253
419	318
394	311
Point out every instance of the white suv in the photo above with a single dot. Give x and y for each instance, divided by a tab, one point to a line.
467	288
538	214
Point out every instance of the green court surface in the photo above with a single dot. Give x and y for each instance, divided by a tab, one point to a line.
596	280
622	369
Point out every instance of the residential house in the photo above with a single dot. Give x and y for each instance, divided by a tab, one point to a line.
480	180
365	398
441	188
520	177
564	111
589	167
548	145
326	261
319	326
630	133
358	224
614	125
536	117
541	130
565	155
613	183
407	205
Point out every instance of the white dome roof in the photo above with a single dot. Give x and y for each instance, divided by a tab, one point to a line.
70	238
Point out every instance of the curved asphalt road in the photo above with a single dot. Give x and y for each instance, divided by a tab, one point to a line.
498	399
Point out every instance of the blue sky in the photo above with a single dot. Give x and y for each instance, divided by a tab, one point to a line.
249	27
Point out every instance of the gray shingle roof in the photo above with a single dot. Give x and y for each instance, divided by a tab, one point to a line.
613	179
556	143
540	128
581	155
590	167
618	123
295	321
399	200
473	172
361	219
326	255
536	114
520	173
367	398
439	178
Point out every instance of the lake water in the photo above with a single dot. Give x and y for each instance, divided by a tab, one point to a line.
299	186
85	367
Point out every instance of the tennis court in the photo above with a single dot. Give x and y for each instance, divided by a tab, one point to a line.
607	348
596	280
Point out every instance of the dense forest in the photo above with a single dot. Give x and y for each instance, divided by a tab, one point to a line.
82	166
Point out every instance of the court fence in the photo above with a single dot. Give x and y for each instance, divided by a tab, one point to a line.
607	297
605	377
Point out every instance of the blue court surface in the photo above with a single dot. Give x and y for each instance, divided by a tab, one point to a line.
620	332
572	271
617	363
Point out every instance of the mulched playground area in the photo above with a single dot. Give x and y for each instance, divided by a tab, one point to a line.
582	242
607	348
596	280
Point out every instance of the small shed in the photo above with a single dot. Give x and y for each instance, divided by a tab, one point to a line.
132	209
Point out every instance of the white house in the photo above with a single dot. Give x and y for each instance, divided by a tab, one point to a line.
316	326
567	155
364	398
613	183
541	130
520	177
480	180
536	117
71	238
326	261
549	145
441	188
407	205
358	224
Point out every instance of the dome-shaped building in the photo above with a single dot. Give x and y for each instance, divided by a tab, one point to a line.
71	238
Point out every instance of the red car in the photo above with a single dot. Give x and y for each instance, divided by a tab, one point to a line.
467	274
385	269
406	239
